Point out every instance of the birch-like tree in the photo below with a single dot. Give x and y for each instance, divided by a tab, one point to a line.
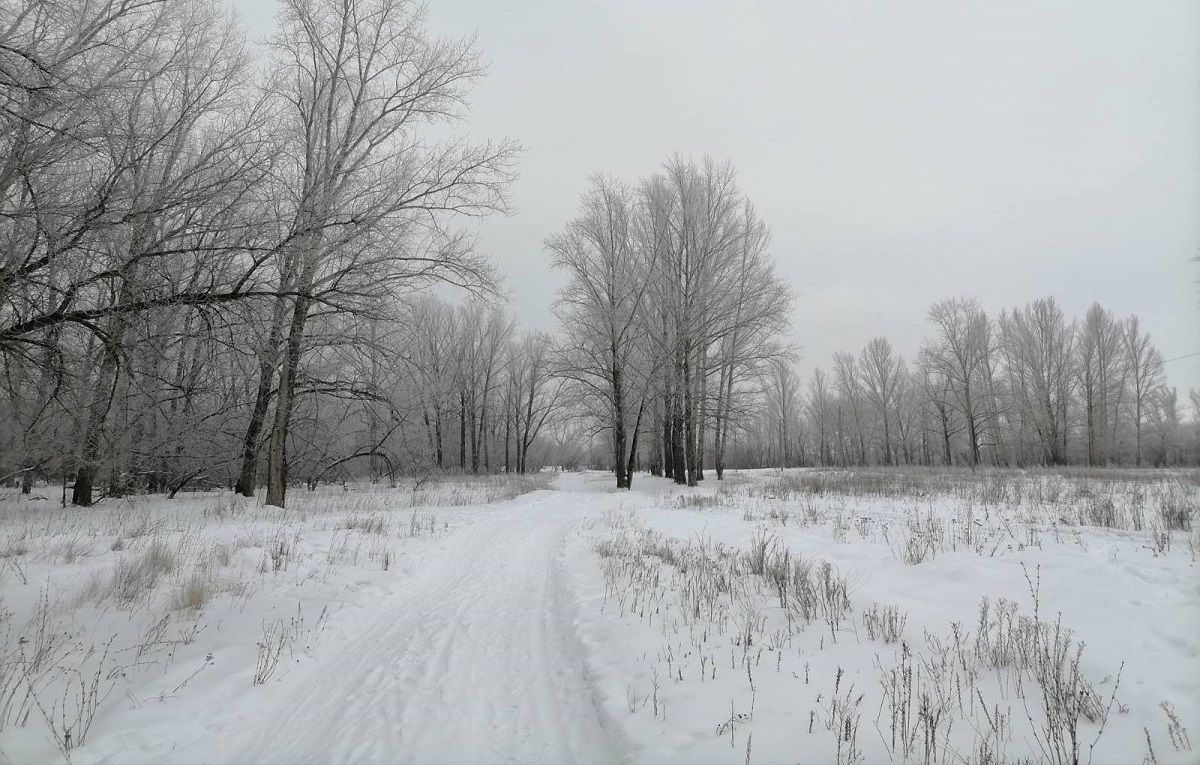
1102	381
960	354
601	310
884	375
1037	344
851	412
1144	363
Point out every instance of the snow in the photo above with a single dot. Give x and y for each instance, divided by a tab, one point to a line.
453	624
472	663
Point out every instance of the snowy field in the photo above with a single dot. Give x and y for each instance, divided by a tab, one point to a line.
807	617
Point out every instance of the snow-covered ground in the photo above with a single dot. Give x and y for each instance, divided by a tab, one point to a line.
906	616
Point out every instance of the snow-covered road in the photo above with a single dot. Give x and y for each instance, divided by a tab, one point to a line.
476	662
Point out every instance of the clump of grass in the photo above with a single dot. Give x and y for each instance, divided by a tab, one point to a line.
280	551
1175	512
193	592
884	623
1175	729
276	637
221	555
505	487
14	545
453	490
138	574
422	523
920	539
142	526
367	524
381	553
281	635
1100	511
841	717
70	550
760	547
700	501
227	506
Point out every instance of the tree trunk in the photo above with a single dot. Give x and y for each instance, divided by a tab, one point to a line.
668	440
429	434
437	429
721	420
689	417
258	416
637	429
277	472
93	434
678	425
462	431
699	416
1137	431
945	418
619	465
474	438
507	439
262	401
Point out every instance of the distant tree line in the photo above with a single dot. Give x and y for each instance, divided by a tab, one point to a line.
1027	388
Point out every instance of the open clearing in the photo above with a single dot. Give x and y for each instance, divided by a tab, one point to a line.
812	617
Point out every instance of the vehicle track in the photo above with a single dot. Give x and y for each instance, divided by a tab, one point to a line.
477	663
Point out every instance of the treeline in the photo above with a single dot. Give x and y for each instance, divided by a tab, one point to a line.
1027	388
208	260
485	396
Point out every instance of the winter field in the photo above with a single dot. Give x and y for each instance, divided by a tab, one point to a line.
806	617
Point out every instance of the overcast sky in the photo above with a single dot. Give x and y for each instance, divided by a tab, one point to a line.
901	153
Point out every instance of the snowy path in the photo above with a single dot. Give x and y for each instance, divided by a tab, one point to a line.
477	663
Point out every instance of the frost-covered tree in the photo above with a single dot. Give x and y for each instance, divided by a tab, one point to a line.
369	198
601	310
1102	375
960	354
884	376
1144	363
1037	343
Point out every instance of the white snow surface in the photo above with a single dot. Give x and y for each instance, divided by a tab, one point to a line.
475	661
488	632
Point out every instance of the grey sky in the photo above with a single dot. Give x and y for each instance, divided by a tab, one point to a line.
901	152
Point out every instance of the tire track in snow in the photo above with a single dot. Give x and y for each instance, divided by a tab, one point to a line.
478	663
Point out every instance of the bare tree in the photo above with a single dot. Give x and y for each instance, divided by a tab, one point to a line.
535	394
782	399
819	407
429	362
848	384
960	354
938	395
369	198
883	373
601	311
1037	343
1145	365
1102	376
751	312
